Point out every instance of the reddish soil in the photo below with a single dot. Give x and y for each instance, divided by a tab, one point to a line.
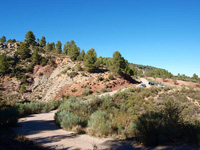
94	85
39	70
171	82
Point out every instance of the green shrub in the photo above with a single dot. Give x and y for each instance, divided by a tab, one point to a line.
107	102
166	126
83	74
100	78
111	77
82	109
35	107
64	71
22	89
100	123
66	120
78	67
74	90
73	74
86	91
103	90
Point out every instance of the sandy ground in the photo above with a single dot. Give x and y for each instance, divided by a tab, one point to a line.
144	81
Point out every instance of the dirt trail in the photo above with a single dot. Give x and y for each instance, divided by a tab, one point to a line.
41	129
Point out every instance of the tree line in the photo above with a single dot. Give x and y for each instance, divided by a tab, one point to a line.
117	64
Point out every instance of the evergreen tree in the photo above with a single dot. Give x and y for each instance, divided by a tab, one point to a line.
23	51
99	62
52	45
118	63
38	40
81	56
36	57
74	52
90	59
68	47
43	41
30	38
4	66
58	47
11	41
195	76
48	47
3	39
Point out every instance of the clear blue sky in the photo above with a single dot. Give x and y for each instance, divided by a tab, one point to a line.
160	33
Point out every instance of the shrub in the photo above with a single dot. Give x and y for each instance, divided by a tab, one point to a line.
166	126
64	71
23	89
103	90
35	107
82	109
66	120
86	91
111	77
83	74
73	74
74	90
100	78
78	67
100	123
107	102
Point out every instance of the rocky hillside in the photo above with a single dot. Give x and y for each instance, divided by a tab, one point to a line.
48	82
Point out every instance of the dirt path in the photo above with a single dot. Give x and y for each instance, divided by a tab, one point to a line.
145	82
41	129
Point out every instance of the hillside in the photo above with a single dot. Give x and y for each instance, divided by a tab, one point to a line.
100	97
55	76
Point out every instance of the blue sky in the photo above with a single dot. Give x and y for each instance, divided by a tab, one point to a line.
160	33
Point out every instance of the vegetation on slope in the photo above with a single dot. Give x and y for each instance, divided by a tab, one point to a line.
136	112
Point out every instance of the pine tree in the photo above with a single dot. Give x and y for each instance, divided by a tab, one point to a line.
118	63
68	47
195	76
30	38
90	59
74	52
81	55
23	51
99	62
43	41
58	47
3	39
11	41
48	47
36	57
52	45
4	66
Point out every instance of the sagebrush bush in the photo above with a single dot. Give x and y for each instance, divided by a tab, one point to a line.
100	123
66	119
167	126
33	107
80	108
